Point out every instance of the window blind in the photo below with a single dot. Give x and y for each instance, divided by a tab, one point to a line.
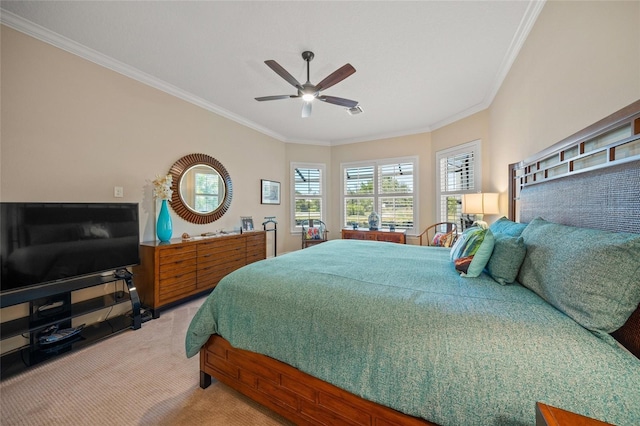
308	196
384	186
307	181
459	173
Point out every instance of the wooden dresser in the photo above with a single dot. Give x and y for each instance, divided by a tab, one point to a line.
173	271
397	236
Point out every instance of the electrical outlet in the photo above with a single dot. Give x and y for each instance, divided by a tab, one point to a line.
118	192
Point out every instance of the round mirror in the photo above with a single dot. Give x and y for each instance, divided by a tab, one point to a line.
201	188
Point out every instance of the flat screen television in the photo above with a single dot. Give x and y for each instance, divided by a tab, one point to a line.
44	244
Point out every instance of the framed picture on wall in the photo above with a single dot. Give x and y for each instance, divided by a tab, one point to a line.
270	192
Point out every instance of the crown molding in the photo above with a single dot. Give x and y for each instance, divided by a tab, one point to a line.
528	20
526	24
40	33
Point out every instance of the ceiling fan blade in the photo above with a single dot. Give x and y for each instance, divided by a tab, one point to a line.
283	73
276	97
338	101
336	77
306	109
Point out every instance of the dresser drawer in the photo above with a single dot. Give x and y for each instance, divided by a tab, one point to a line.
176	253
216	246
173	288
211	275
391	238
371	235
175	269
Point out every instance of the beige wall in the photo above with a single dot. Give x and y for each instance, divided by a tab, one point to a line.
72	130
580	63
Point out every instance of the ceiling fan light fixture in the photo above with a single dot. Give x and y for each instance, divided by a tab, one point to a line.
308	91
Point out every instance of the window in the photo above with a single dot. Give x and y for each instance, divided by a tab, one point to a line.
308	193
457	173
388	187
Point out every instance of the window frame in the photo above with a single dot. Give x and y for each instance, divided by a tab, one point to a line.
322	197
475	147
376	195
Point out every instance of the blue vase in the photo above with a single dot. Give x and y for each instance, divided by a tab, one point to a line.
374	221
164	227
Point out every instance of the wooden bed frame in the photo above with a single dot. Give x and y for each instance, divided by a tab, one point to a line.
307	400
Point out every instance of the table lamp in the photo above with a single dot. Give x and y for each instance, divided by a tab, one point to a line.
480	204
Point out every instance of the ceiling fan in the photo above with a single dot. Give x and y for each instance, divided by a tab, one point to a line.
307	91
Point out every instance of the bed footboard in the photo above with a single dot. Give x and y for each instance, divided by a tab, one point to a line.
289	392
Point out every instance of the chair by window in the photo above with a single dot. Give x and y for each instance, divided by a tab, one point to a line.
313	232
442	234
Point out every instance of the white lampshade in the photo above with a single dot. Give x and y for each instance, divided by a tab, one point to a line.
481	203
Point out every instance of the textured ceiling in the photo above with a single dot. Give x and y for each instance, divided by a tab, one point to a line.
419	65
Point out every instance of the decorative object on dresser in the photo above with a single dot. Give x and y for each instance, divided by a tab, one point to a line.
175	271
247	223
164	226
202	189
396	236
162	191
374	221
269	192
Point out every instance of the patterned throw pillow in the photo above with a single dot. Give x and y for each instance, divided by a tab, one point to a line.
312	234
442	239
472	251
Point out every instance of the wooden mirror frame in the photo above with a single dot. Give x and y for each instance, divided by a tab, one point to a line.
179	168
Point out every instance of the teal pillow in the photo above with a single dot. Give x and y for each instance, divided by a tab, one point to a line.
593	276
472	251
508	227
508	254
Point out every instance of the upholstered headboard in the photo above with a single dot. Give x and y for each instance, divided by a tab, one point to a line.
590	180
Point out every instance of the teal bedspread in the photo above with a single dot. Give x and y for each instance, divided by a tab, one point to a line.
395	324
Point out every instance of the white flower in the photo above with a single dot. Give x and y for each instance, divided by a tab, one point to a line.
162	187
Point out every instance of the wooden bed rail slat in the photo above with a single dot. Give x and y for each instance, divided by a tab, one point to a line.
292	393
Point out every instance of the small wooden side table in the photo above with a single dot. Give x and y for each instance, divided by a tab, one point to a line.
546	415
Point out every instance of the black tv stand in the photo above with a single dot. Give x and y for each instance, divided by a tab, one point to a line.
54	308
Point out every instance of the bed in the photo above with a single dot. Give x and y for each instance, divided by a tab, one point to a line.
359	332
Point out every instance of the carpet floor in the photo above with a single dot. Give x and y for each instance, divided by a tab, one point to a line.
138	377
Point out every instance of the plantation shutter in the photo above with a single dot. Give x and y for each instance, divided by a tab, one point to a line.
308	194
459	173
